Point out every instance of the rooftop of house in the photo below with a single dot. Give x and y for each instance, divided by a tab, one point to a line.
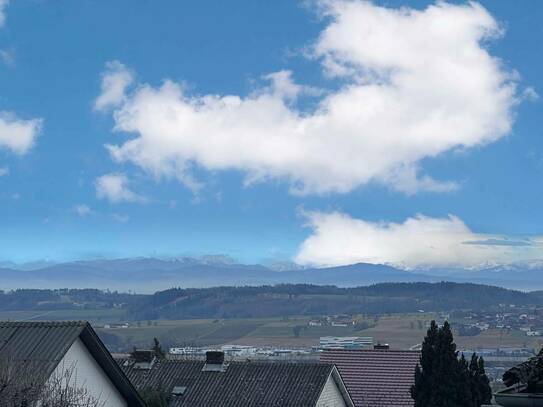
43	344
380	377
197	383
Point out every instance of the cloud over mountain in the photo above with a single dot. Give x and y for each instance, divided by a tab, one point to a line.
339	239
413	84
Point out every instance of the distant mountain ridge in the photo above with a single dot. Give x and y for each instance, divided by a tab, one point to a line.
149	274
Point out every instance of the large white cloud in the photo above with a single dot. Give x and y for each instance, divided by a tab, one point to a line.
338	239
115	188
18	135
415	84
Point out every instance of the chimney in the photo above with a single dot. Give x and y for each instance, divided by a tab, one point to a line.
214	362
384	346
214	357
143	359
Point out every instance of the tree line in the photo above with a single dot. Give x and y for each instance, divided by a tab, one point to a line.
305	299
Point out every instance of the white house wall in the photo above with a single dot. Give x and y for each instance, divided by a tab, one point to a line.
331	396
88	374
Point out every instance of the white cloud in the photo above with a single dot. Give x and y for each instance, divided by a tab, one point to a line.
119	217
115	80
3	5
530	94
338	239
114	188
83	210
4	171
16	134
416	84
283	87
7	57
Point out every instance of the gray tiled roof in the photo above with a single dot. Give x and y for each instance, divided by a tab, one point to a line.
240	384
45	343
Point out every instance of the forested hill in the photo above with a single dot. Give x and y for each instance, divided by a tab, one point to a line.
302	299
272	301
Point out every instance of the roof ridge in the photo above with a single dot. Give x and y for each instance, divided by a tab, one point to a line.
44	323
246	362
373	350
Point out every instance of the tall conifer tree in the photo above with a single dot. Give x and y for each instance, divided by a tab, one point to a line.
442	379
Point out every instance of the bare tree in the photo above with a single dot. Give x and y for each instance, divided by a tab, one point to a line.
25	384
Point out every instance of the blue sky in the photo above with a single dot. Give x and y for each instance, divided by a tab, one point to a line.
336	194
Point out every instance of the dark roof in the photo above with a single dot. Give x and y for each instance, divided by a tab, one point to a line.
376	378
240	384
45	344
40	342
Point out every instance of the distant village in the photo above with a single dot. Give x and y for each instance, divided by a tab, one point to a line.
65	364
346	365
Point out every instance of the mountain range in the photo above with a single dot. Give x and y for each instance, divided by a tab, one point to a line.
148	274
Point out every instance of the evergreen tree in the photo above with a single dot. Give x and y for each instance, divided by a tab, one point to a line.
485	392
155	397
480	387
423	391
476	389
442	379
157	348
467	387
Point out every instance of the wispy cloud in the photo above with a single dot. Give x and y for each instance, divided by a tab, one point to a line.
119	217
115	188
3	5
16	134
8	57
83	210
501	242
115	80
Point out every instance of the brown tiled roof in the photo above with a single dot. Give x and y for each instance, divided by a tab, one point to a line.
376	378
240	384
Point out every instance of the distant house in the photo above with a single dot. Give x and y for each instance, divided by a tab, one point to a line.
217	383
51	348
376	377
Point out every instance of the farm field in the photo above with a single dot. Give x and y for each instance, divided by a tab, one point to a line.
95	316
400	331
